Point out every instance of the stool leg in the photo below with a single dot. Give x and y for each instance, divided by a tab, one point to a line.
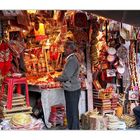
27	95
10	95
19	89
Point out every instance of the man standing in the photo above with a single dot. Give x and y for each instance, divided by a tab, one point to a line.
136	111
71	85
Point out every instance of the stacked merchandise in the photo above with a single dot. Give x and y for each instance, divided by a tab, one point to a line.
114	102
34	65
37	73
18	105
114	123
102	104
102	100
57	115
44	81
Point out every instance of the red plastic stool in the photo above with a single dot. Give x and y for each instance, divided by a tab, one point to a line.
57	115
56	108
11	81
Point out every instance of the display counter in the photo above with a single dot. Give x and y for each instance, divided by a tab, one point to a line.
50	97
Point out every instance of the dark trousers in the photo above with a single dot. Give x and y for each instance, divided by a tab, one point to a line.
23	89
72	111
136	111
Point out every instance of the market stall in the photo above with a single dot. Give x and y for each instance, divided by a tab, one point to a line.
108	52
46	62
38	42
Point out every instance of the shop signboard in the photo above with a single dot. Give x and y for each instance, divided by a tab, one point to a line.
133	95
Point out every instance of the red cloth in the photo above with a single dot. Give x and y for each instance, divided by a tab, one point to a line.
53	52
3	46
41	37
5	58
5	67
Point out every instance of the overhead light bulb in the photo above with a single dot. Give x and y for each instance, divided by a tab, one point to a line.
31	11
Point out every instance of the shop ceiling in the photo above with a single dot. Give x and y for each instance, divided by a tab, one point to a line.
131	17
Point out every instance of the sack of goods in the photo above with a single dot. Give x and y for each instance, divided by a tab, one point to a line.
114	123
20	120
129	120
93	121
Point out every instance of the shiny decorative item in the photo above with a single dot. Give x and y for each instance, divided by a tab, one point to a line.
111	51
110	58
122	52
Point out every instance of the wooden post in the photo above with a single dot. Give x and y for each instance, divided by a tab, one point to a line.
46	59
89	79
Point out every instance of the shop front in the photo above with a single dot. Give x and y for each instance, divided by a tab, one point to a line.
32	56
